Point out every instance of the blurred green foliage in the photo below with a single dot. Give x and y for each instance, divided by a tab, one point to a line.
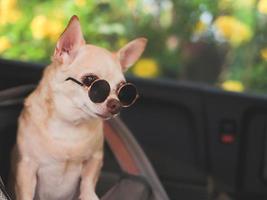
208	41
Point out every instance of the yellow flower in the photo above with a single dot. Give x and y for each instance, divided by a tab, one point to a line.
131	4
80	3
146	68
233	30
264	54
200	27
234	86
262	6
55	29
8	11
42	27
39	27
246	3
225	4
4	44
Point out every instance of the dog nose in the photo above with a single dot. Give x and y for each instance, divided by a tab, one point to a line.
113	106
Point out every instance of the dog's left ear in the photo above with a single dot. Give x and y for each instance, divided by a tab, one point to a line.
131	52
70	41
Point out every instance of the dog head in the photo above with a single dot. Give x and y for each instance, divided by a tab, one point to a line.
83	64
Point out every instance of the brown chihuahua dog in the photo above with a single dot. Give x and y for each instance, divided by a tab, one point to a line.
59	148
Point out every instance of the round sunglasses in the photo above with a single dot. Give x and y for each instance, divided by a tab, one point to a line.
99	90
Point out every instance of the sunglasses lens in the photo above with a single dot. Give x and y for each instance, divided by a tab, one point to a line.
127	94
99	91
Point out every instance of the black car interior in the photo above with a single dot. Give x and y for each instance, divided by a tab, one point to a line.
203	143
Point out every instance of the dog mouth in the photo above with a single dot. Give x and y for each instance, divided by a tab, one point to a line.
106	116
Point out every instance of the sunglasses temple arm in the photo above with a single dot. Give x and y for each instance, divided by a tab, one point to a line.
74	80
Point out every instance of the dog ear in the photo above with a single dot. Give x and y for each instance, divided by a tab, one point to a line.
130	53
70	41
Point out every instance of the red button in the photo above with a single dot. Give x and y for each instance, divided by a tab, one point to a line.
227	138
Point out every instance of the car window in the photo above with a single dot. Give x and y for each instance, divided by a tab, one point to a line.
222	43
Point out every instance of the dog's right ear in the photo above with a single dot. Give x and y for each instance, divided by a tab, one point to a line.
69	42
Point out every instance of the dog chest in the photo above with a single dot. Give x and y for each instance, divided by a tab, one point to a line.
58	180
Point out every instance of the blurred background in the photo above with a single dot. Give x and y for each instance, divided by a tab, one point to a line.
222	43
